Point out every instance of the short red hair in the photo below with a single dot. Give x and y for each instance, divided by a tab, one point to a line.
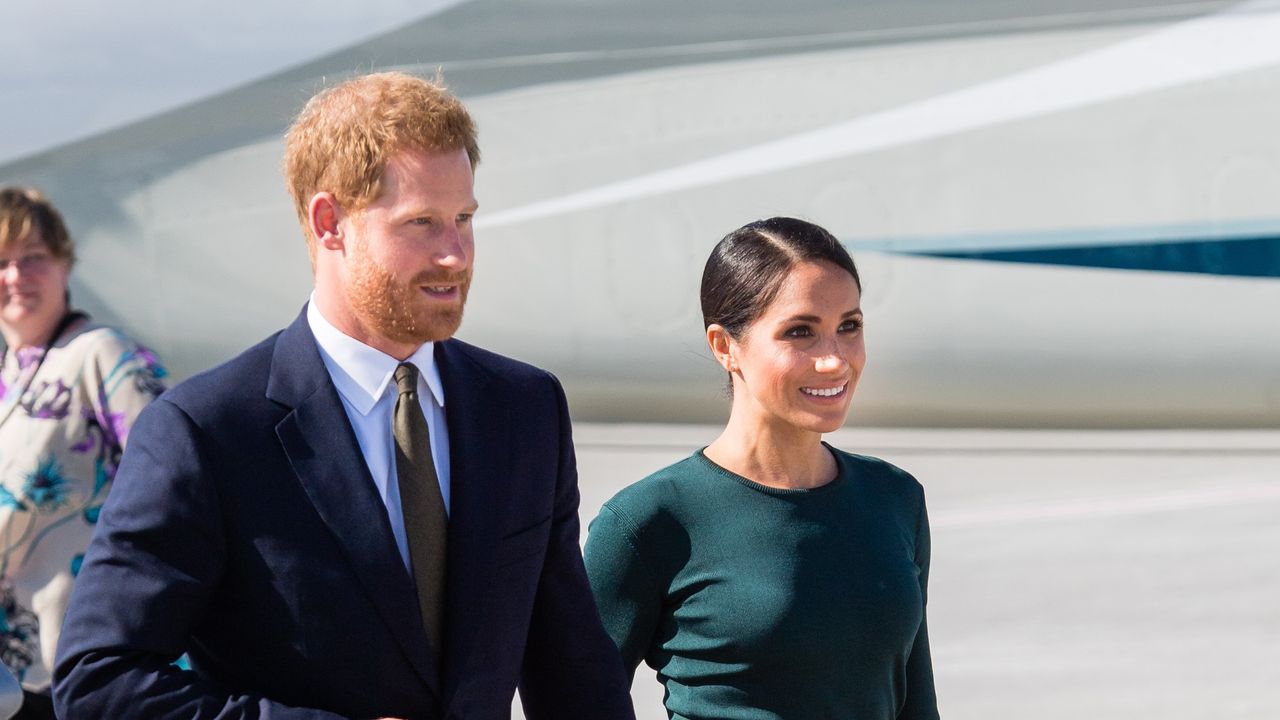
344	136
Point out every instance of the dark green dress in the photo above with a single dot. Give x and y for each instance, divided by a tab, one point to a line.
755	603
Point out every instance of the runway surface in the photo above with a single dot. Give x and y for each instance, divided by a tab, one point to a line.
1075	574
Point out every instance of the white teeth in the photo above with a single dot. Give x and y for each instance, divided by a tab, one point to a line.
828	392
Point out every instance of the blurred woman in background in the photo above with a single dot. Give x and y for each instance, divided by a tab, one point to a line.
69	391
771	576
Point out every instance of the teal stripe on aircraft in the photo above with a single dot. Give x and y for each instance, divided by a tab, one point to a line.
1239	257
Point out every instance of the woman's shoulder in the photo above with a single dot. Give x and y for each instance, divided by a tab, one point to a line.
875	472
651	515
108	351
664	492
93	338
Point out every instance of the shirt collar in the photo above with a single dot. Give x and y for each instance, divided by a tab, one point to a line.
361	373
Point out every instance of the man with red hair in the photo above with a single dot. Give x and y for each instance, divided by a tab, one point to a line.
360	516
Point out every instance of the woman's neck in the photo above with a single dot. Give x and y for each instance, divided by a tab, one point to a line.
775	454
19	337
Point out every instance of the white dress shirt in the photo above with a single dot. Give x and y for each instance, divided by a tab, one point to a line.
365	381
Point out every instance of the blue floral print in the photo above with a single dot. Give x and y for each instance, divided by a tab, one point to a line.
65	415
45	487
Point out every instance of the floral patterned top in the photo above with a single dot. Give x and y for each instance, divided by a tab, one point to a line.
65	412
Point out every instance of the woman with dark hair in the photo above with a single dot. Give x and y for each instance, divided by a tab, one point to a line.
770	576
69	391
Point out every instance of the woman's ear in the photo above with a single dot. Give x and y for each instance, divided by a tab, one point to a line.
722	347
325	216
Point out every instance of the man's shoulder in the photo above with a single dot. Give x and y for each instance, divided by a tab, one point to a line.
229	384
500	366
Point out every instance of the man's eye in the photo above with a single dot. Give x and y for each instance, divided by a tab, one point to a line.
422	221
465	218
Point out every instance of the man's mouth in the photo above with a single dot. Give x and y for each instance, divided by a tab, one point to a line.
443	292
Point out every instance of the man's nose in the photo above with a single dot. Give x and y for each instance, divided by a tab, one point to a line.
455	249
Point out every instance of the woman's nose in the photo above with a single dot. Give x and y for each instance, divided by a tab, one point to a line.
831	361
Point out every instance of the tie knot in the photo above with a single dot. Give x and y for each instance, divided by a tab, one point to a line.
406	378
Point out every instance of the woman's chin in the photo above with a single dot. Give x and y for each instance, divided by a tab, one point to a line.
824	423
22	319
11	317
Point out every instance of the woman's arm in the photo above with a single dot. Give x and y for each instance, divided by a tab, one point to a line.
123	378
627	589
922	701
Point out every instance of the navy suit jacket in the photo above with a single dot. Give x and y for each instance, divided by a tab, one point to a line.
244	530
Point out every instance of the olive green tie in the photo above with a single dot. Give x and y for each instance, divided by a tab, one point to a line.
425	521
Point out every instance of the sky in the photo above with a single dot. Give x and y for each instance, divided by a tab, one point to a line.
72	68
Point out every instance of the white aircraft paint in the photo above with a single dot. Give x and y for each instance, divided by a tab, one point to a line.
1233	41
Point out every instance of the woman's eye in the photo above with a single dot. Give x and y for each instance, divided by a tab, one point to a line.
849	326
798	332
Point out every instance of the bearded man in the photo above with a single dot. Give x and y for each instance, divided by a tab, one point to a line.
360	516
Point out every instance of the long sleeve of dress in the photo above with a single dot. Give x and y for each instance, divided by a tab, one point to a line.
921	701
628	591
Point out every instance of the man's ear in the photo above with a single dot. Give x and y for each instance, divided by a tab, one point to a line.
325	219
722	347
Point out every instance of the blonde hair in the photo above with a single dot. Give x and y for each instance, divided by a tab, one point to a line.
25	212
344	136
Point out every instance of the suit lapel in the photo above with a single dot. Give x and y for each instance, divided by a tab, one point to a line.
479	446
322	450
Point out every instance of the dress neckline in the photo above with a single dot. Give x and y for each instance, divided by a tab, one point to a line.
837	481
